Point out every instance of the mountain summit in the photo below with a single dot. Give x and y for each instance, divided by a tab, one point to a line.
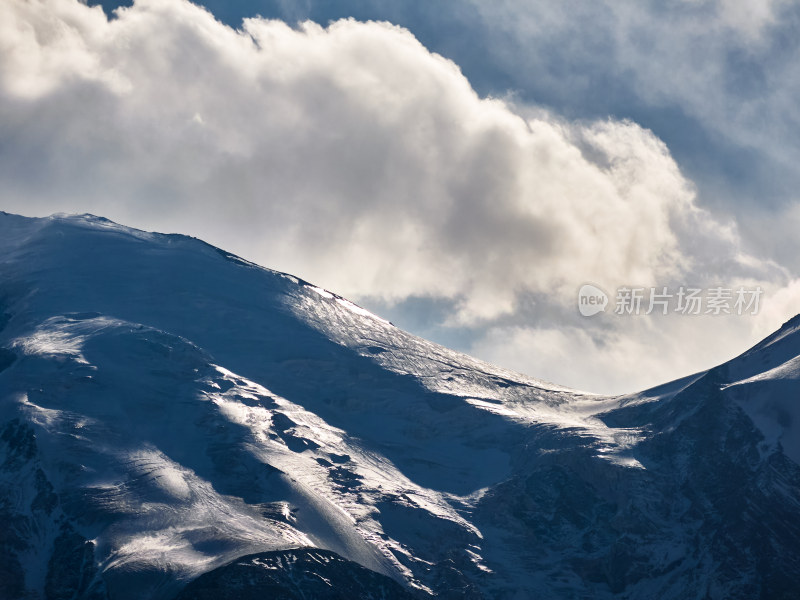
176	422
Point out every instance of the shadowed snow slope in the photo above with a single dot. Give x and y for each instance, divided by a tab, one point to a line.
170	413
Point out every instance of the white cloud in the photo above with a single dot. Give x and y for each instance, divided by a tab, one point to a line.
349	155
620	354
729	65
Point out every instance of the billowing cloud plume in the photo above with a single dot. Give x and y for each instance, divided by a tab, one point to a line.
351	156
717	79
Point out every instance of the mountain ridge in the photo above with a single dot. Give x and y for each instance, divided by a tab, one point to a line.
167	408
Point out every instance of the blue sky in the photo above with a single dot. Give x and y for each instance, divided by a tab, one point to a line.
461	168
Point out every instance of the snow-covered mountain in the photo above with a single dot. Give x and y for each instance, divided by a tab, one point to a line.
176	422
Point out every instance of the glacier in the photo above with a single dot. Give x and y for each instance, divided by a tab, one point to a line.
177	422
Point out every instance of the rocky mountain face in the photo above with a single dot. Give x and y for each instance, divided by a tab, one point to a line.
176	422
290	574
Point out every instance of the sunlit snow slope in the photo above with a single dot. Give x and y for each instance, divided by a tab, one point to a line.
170	413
